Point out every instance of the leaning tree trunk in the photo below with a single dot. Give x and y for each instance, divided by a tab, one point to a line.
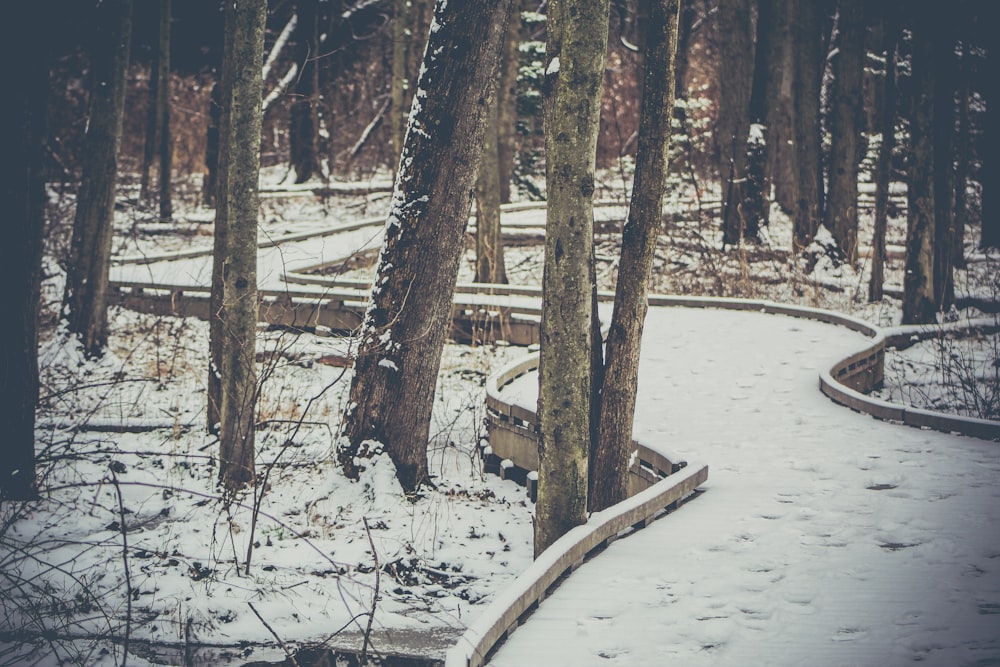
409	314
846	125
235	263
609	466
882	176
22	143
577	40
87	277
918	281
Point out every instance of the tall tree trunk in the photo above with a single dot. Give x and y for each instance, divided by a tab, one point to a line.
158	143
86	293
303	134
807	75
507	103
963	155
489	238
609	464
408	316
409	34
781	130
990	229
918	282
23	138
944	158
577	41
210	184
846	125
887	128
735	78
236	258
767	66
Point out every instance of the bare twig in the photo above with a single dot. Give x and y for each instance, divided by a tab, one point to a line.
284	647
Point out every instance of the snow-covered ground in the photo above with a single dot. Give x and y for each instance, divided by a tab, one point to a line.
824	537
792	492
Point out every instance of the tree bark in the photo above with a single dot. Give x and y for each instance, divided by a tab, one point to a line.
611	458
807	70
887	128
409	314
918	282
22	143
735	78
158	144
507	103
303	133
489	238
576	44
990	222
85	299
238	199
409	34
944	158
846	125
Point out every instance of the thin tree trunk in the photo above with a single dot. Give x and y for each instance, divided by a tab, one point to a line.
303	133
238	199
963	156
87	277
489	238
944	159
165	146
846	125
612	456
577	40
22	143
507	103
989	221
882	176
408	317
735	79
807	63
918	282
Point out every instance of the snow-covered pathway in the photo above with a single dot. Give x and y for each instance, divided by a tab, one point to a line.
825	538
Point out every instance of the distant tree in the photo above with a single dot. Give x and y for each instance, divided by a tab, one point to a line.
234	326
303	135
490	266
210	184
409	313
945	78
887	128
990	221
611	458
766	70
23	138
577	35
919	306
807	56
506	103
781	147
846	125
158	135
86	294
410	20
963	151
735	74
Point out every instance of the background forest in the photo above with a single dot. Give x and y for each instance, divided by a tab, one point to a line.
832	154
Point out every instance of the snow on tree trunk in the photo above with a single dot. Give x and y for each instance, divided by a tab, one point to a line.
85	300
409	314
577	40
235	261
611	458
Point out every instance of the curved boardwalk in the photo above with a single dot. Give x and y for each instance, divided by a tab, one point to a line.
826	537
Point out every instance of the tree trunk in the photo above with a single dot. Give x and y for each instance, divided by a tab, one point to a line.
86	292
846	125
577	41
22	143
735	78
612	456
303	134
963	156
489	238
887	128
918	282
409	314
238	202
781	131
211	183
990	230
158	136
807	70
507	103
944	158
409	34
767	66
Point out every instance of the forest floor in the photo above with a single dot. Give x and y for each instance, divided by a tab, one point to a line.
134	547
